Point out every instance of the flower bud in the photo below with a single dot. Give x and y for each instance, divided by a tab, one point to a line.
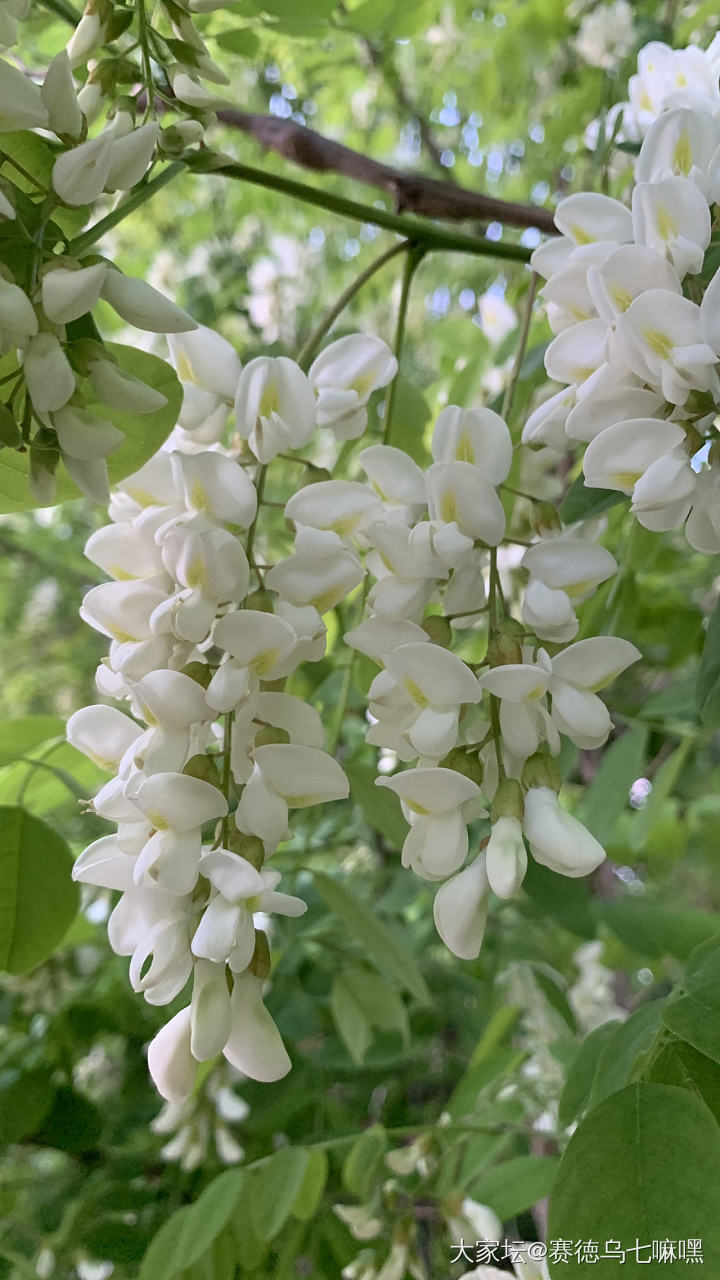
79	176
21	104
467	763
67	295
558	840
261	964
17	314
87	35
131	156
60	98
506	856
541	771
438	630
504	649
120	390
508	801
142	306
50	380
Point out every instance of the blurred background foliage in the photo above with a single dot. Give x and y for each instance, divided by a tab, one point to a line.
392	1039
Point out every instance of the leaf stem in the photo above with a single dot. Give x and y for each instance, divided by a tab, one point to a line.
140	195
413	259
309	347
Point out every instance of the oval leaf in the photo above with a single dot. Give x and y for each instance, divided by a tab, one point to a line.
38	898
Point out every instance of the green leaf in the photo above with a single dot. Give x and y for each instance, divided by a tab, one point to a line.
310	1194
491	1058
211	1213
607	795
242	41
363	1161
515	1185
381	807
663	783
559	898
629	1039
350	1018
644	1165
38	898
24	733
654	930
144	433
164	1259
683	1065
581	1074
72	1124
707	688
554	995
693	1013
381	946
25	1099
275	1188
579	503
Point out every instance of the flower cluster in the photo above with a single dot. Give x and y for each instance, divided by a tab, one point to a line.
633	301
666	78
469	726
214	754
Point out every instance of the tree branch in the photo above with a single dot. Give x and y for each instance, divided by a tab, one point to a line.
420	231
412	192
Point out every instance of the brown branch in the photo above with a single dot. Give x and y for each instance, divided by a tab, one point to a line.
412	192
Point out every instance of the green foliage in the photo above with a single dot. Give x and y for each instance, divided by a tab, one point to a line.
144	433
37	897
626	1155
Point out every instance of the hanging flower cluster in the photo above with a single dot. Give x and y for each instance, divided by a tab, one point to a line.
470	727
666	78
192	646
633	298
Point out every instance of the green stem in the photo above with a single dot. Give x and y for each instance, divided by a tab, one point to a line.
140	195
307	351
511	388
146	56
259	489
425	234
493	588
412	261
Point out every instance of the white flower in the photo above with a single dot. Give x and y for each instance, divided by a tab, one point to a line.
672	217
320	571
210	1017
478	436
587	217
395	477
438	684
620	455
274	408
255	1046
130	157
342	506
524	719
460	910
556	838
103	734
18	321
226	931
506	857
286	776
435	801
344	377
177	806
577	673
171	1063
215	486
458	494
569	564
257	644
